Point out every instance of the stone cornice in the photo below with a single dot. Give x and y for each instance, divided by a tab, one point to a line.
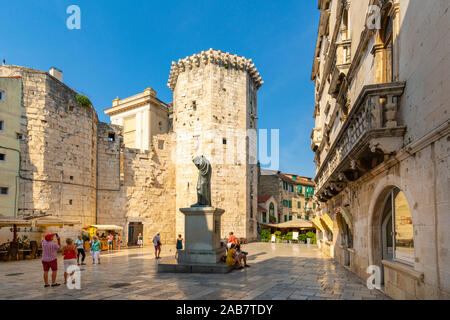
217	57
133	102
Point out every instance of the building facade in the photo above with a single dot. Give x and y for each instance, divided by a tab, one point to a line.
142	116
293	195
381	141
10	119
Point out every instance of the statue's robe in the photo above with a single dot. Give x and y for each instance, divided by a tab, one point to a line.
204	181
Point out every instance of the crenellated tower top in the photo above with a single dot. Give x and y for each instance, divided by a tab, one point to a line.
217	57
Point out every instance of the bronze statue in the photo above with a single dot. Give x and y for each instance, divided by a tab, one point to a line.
204	182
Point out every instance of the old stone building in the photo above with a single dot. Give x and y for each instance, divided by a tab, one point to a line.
292	194
214	114
381	140
142	116
136	172
10	112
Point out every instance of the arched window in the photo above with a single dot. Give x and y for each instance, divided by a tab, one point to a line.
344	26
272	209
397	228
160	126
386	39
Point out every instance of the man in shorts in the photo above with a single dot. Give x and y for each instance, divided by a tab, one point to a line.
49	261
157	244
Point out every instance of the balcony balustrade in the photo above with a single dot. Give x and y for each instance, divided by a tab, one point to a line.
370	132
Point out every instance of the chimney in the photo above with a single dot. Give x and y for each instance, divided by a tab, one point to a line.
56	73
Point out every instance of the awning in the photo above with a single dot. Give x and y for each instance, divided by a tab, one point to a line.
293	224
316	222
327	221
50	221
12	222
47	221
105	227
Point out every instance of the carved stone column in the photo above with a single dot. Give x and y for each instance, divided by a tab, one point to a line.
390	111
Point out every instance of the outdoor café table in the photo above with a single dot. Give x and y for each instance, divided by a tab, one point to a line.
23	253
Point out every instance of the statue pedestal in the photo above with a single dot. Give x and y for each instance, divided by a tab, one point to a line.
202	235
202	250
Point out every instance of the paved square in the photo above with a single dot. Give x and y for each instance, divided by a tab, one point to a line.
277	272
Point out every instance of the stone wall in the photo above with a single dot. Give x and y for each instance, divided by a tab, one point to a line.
136	186
58	150
62	142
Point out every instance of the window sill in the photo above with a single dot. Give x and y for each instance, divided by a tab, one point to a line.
398	266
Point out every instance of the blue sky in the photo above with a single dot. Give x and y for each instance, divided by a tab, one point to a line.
124	47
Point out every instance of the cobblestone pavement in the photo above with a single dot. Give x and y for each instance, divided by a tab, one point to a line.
277	272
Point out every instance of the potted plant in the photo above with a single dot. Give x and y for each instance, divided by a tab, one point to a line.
278	236
265	235
289	237
312	236
302	238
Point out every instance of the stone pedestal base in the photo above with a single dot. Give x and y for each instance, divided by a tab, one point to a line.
202	251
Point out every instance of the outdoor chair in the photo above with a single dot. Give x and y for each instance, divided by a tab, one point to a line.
34	249
13	251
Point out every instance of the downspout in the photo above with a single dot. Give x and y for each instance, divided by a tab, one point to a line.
436	222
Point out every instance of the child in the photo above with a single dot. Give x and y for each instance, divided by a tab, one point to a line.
110	241
140	241
70	258
179	245
95	250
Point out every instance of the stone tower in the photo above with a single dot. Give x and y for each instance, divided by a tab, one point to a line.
215	113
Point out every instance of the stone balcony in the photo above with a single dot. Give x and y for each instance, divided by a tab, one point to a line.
316	139
340	68
369	134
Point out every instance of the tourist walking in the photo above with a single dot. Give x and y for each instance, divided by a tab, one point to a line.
157	244
140	241
95	250
110	239
49	261
179	245
70	258
80	250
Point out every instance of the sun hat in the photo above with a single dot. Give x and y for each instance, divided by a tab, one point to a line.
49	237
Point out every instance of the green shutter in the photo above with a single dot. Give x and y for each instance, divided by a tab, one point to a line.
290	203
